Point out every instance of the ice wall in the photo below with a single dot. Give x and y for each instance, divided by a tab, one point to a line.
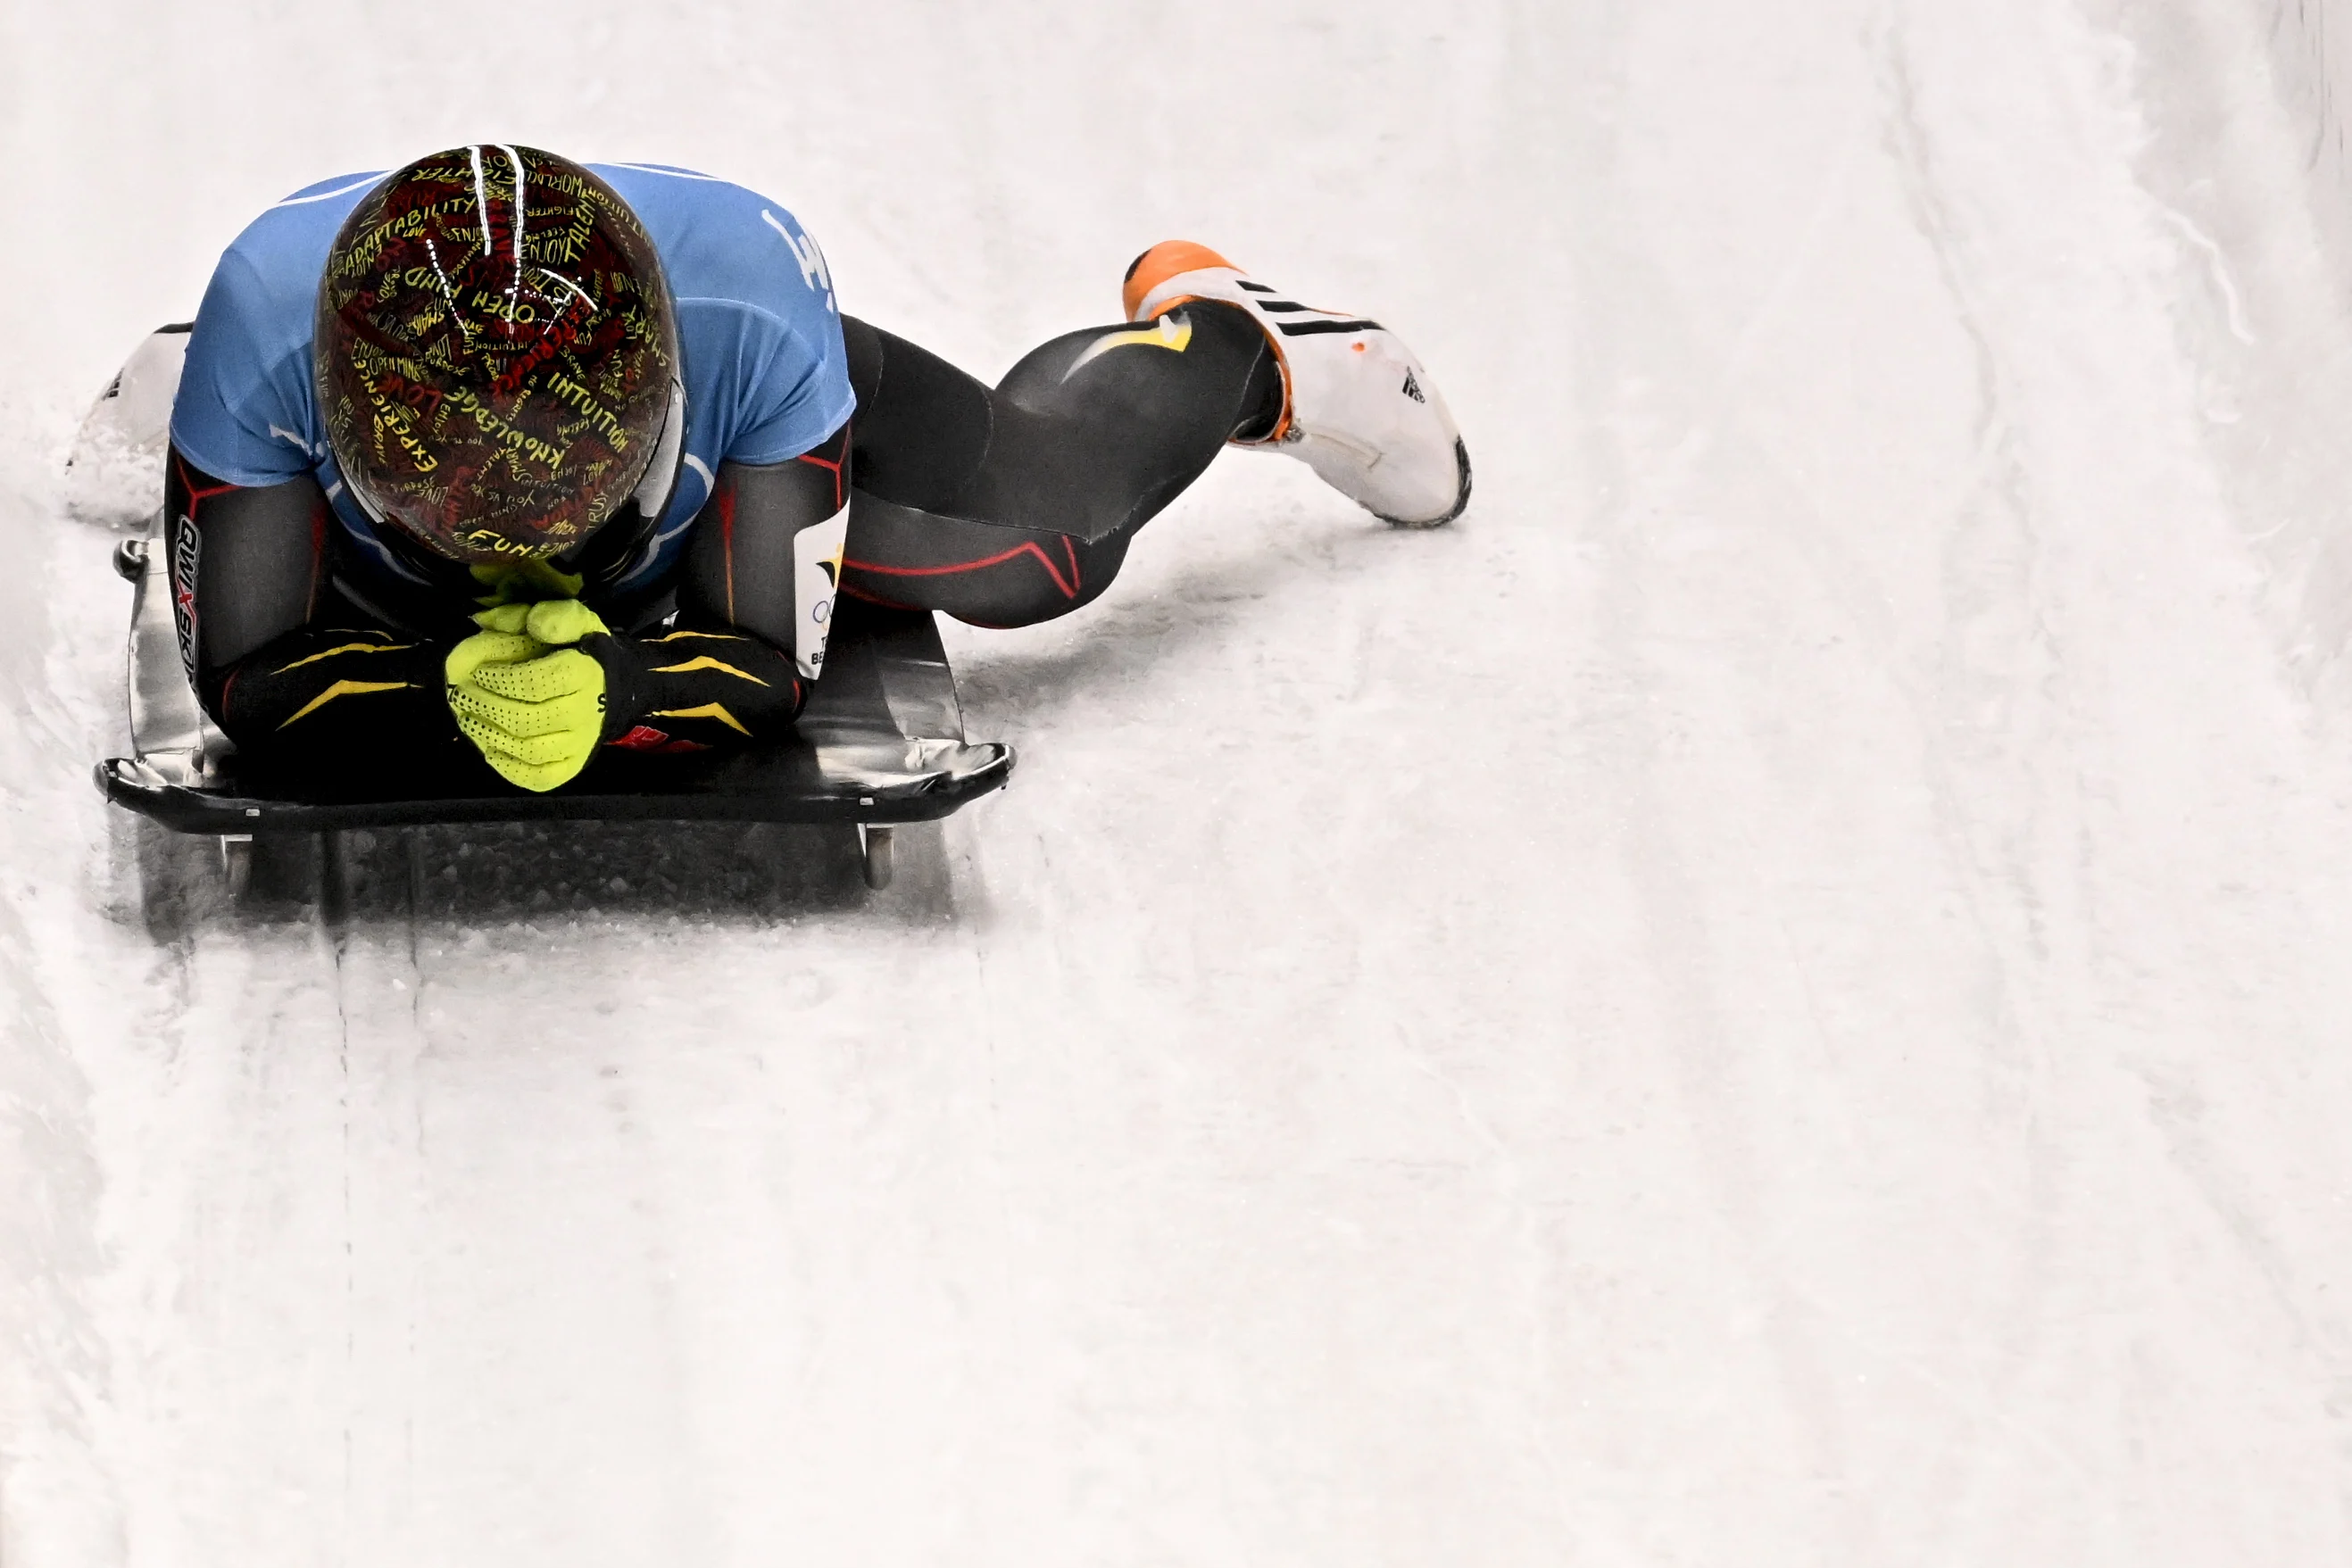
2243	106
2289	387
2311	48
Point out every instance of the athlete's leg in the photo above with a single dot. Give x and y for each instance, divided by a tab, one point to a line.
1017	505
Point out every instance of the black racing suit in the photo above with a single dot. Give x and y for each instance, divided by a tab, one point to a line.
1000	506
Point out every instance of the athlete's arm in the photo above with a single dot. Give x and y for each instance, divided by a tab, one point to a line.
739	564
731	668
248	571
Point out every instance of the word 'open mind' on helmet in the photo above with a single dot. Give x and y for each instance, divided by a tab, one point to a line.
496	352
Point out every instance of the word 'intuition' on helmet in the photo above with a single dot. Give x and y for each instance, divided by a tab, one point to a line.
497	353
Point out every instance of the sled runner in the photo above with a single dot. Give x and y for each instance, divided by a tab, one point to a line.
880	743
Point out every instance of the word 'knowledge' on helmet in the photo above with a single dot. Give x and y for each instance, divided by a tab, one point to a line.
497	352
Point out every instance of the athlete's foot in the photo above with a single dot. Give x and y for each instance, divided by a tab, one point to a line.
1357	406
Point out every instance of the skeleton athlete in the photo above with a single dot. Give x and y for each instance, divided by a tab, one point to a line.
500	456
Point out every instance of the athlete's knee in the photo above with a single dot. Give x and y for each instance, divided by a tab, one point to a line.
1034	606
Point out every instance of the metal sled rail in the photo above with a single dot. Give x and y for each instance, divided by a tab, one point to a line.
797	784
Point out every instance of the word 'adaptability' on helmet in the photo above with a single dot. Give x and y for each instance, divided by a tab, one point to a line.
497	354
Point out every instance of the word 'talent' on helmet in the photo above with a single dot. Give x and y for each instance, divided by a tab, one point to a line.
497	353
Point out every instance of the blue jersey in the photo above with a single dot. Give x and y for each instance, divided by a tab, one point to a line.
765	373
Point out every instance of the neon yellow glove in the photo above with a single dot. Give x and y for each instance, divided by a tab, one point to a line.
533	705
558	622
502	640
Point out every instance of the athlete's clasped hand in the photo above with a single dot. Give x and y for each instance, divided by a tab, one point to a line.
524	692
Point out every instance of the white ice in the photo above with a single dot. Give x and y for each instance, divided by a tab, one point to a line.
1774	995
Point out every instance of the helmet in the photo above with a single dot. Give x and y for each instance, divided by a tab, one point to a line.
496	355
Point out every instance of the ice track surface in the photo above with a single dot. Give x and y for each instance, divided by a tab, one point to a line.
1775	996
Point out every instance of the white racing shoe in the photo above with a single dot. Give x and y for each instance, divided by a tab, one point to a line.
1357	407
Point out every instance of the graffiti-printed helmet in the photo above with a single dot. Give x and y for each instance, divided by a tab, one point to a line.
497	354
